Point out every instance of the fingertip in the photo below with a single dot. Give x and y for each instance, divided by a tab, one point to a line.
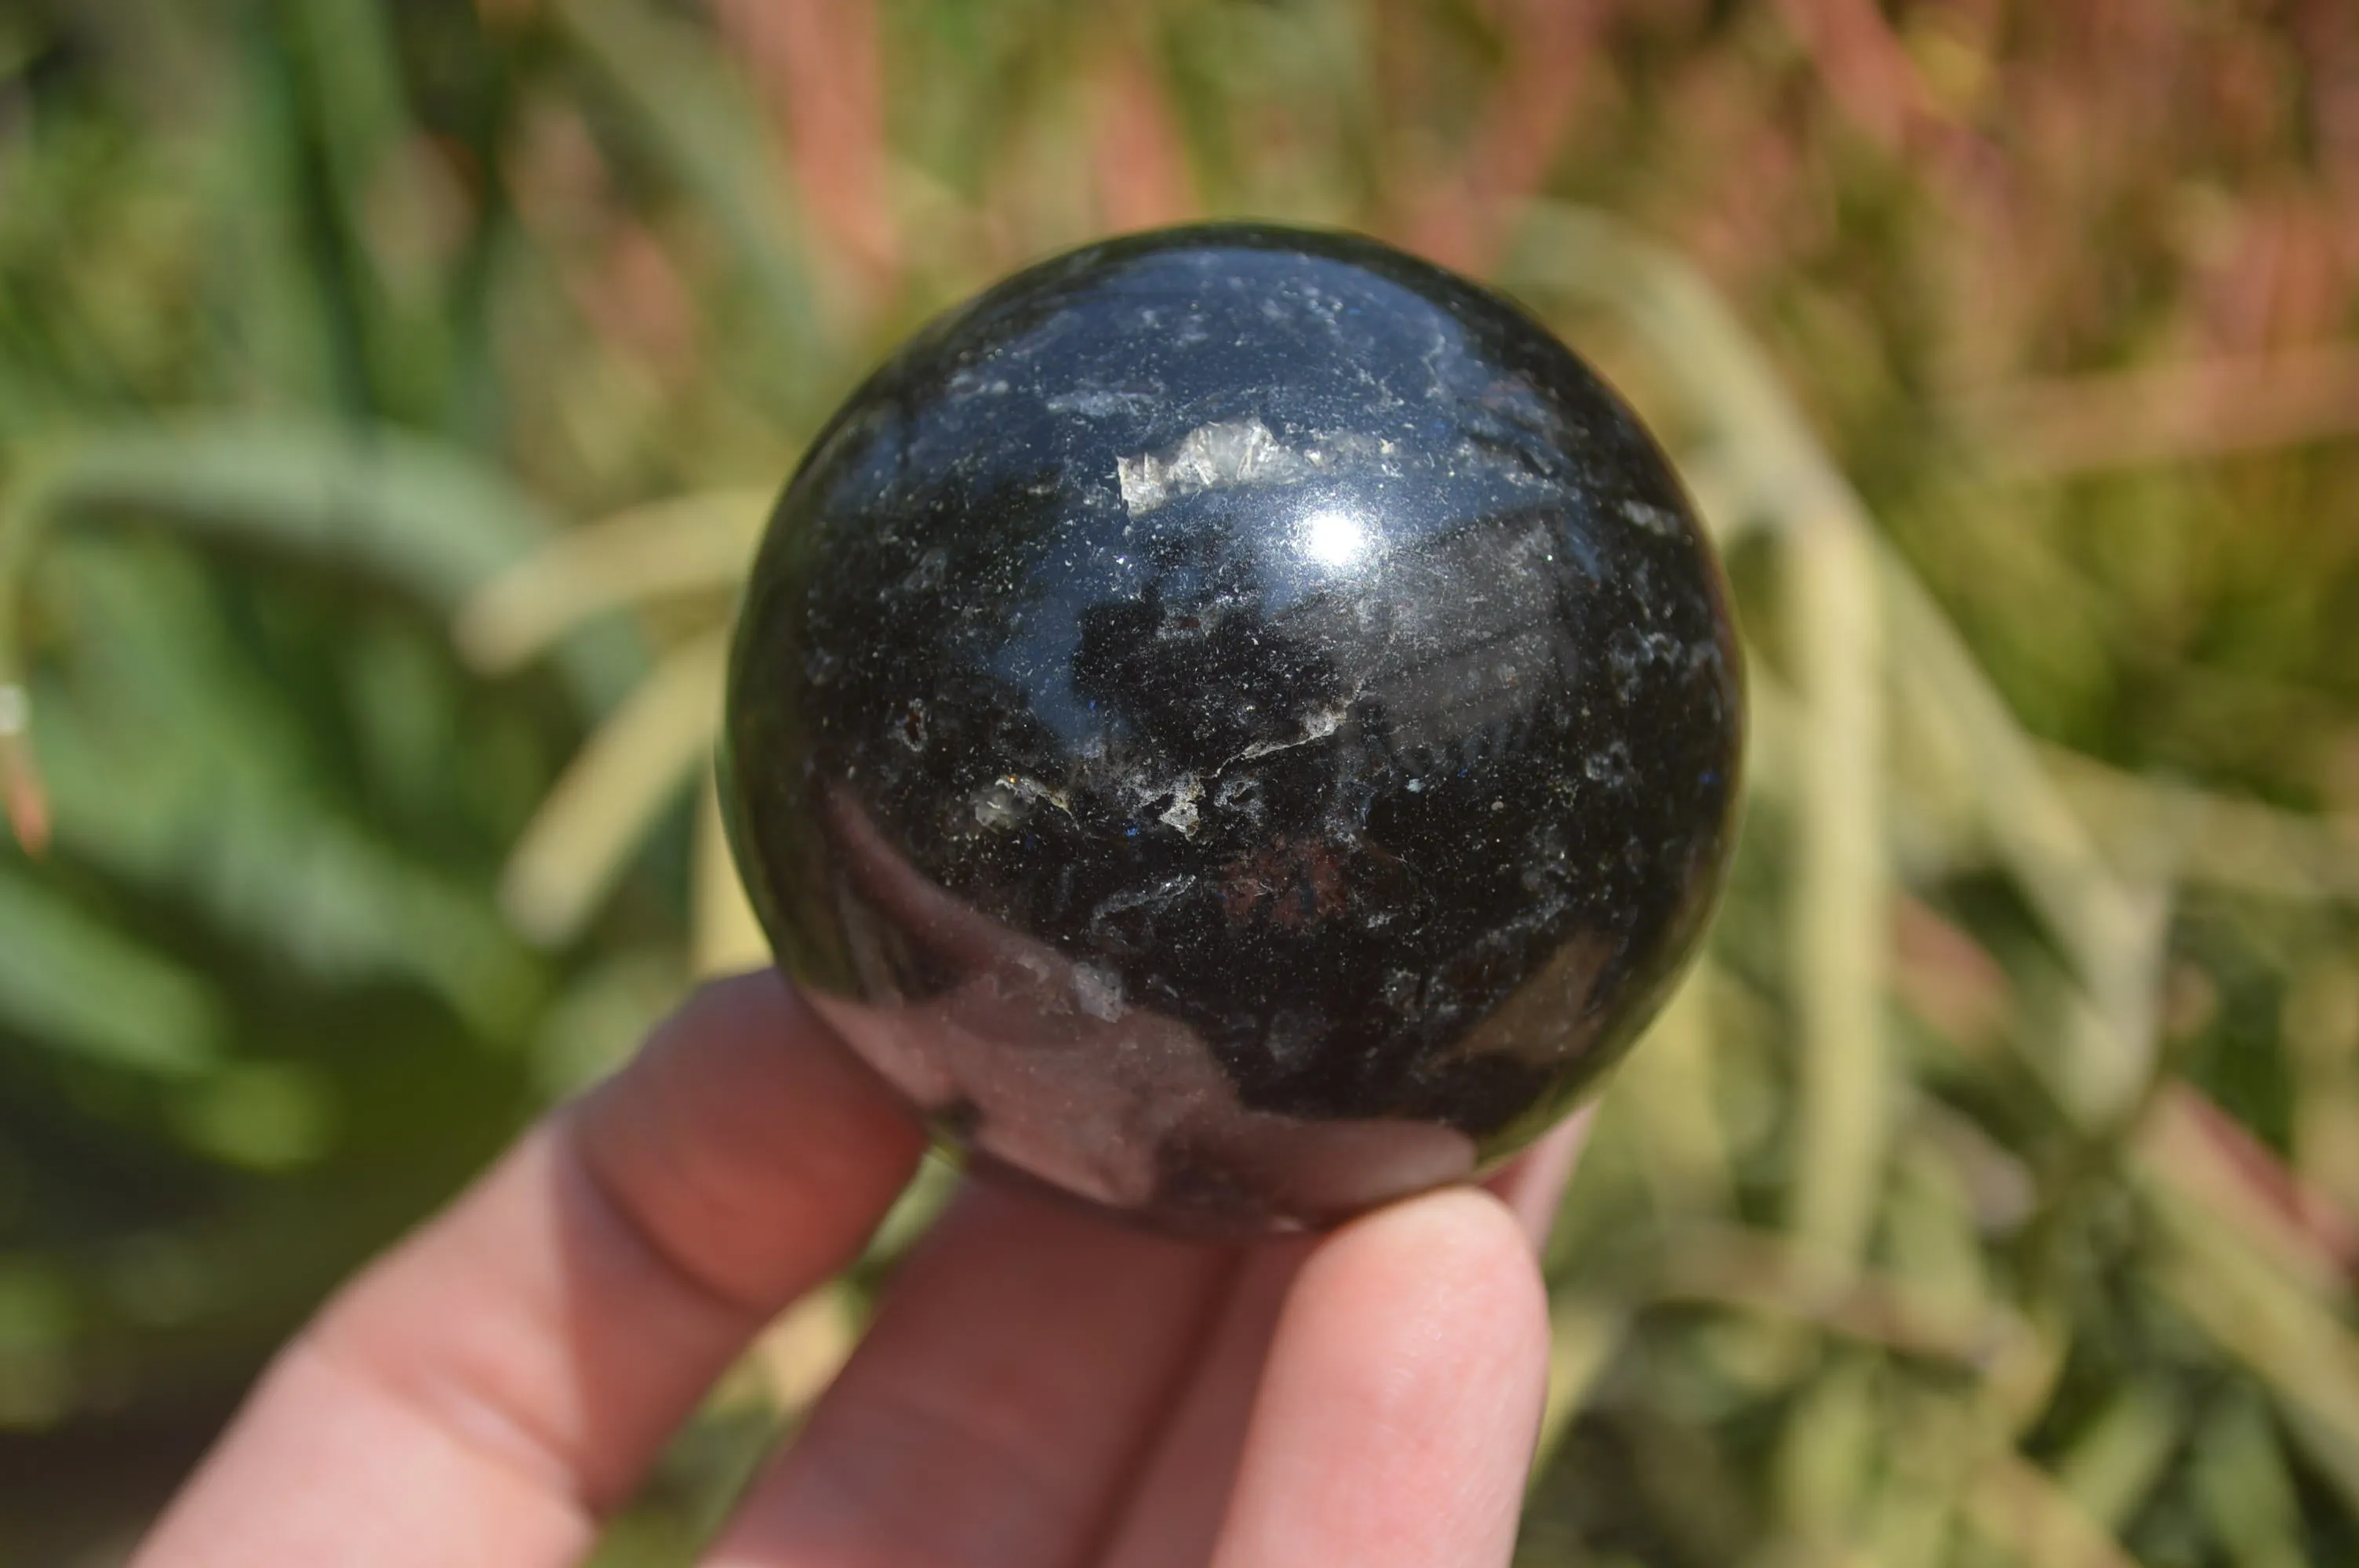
1532	1184
1435	1303
1404	1387
1463	1250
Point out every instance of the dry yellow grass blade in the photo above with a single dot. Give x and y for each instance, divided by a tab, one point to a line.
1842	887
1667	1089
2176	1152
1754	453
2285	1336
1762	464
2115	1462
725	936
2320	1024
1948	1461
800	1353
2240	845
1909	1527
690	543
1759	459
600	809
2014	1504
2171	413
2112	929
1930	1240
1826	1455
1933	1438
1760	1271
1584	1335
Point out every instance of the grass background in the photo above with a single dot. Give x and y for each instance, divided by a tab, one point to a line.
388	395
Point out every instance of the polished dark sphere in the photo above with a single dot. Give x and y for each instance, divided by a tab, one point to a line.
1237	724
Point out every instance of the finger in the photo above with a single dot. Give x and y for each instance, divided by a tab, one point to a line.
1532	1184
491	1388
1183	1491
999	1405
1401	1396
1174	1514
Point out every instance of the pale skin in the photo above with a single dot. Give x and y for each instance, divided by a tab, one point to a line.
1039	1387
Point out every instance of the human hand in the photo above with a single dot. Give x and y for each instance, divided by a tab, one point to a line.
1040	1388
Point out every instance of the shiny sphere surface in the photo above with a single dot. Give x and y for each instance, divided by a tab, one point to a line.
1237	725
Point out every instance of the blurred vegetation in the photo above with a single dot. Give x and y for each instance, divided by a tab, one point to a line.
388	394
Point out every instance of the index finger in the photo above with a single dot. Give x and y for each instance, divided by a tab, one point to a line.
503	1378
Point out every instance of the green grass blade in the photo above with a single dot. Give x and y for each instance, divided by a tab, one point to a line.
418	515
72	983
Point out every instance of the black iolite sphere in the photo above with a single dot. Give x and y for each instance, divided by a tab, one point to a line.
1236	724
